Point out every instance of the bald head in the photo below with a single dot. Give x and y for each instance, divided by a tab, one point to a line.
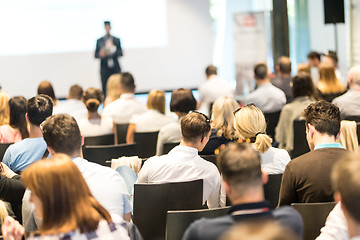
354	76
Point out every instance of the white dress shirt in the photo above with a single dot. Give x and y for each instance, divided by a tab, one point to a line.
274	160
267	98
335	226
170	133
73	107
96	127
122	109
150	121
180	165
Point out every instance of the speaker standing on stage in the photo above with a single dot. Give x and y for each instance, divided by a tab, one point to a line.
108	49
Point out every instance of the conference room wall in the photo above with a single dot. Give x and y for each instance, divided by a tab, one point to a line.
179	64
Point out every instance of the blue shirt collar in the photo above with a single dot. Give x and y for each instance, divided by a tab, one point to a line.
328	145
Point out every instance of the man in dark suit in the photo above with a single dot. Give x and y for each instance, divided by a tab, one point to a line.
108	49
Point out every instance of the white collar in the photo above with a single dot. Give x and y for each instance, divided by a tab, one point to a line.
185	149
127	96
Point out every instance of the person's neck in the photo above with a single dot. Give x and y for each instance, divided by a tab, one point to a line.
324	139
35	131
180	114
355	87
262	82
190	144
284	75
211	76
251	196
93	115
353	225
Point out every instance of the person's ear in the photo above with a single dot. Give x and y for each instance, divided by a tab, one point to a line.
82	140
337	196
27	117
50	150
338	135
264	177
227	188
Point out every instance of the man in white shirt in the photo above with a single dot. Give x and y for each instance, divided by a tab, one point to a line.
73	105
266	97
126	106
183	162
62	135
212	89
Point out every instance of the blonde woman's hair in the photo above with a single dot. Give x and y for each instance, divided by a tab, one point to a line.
348	136
156	100
113	86
4	108
328	82
222	117
250	123
3	212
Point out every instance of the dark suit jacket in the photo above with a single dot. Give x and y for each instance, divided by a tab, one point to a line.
100	43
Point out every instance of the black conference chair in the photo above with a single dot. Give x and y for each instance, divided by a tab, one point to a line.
178	221
101	154
121	131
300	143
146	143
351	118
99	140
272	120
169	146
3	147
314	216
272	189
152	201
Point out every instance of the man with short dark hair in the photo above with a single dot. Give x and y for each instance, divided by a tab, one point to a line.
283	78
21	154
266	96
314	61
122	109
243	179
183	163
306	179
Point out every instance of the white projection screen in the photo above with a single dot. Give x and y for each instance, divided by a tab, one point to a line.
166	43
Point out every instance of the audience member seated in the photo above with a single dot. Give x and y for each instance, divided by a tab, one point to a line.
46	88
4	108
65	204
212	89
283	78
183	163
153	119
304	93
329	86
251	125
243	181
73	105
266	96
122	109
348	137
303	67
222	124
182	101
349	103
307	178
20	155
331	57
16	130
314	61
112	88
94	124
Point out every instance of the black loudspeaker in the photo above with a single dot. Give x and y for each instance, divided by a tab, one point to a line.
334	11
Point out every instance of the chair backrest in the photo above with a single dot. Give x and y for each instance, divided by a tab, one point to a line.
351	118
146	143
169	146
3	147
272	120
272	189
121	131
99	140
314	216
178	221
210	158
152	201
300	143
101	154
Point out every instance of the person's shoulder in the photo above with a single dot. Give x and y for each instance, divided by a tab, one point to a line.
289	217
280	152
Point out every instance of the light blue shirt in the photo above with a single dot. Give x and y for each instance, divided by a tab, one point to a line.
328	145
21	154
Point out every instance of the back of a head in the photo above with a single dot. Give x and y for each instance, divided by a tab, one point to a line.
354	73
211	70
284	64
303	67
324	116
327	72
38	108
57	182
92	98
222	117
194	126
328	82
17	115
348	136
127	82
250	123
302	85
240	166
261	71
182	100
314	55
4	108
113	86
333	56
62	134
75	92
156	100
46	88
346	180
